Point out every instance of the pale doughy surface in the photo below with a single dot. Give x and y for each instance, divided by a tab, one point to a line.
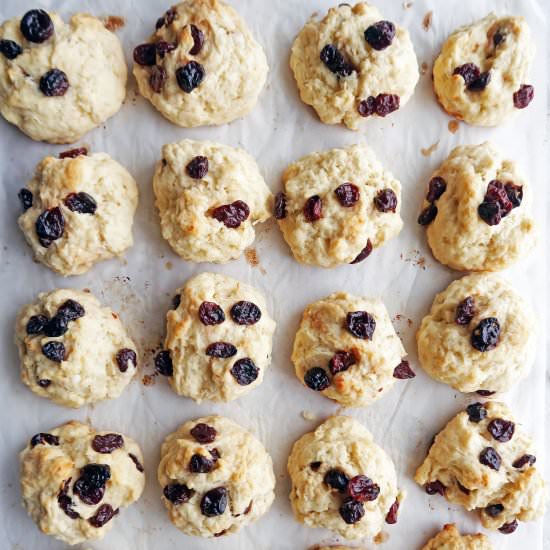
45	468
244	469
90	56
87	238
198	375
345	444
444	347
235	66
90	372
393	70
342	232
449	538
458	237
509	64
454	458
185	204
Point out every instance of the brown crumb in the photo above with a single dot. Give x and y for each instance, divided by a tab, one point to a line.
381	537
415	258
453	126
115	316
251	256
114	22
148	380
424	68
427	21
168	265
86	290
407	5
427	152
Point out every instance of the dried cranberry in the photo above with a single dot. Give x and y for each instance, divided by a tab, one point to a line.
137	463
380	35
523	460
403	371
386	104
71	310
145	55
364	254
90	486
73	153
222	350
341	361
367	107
490	212
190	76
44	383
514	193
36	324
501	430
313	209
167	18
485	393
351	511
335	62
163	363
199	464
211	314
476	412
509	528
36	26
361	324
177	493
348	194
385	200
54	83
26	197
107	443
315	466
198	40
436	188
391	516
54	351
494	510
157	79
10	49
103	515
232	215
66	502
465	311
486	335
214	502
435	487
124	357
56	326
363	489
490	458
279	210
480	83
316	379
524	96
244	371
497	194
245	313
427	216
44	439
469	72
203	433
81	203
176	301
164	47
50	226
197	167
336	479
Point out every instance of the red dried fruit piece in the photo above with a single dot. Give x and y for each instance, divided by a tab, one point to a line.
107	443
501	430
190	76
36	324
362	489
435	487
386	104
54	351
36	26
124	357
427	216
157	79
10	49
509	528
490	213
197	168
166	19
50	226
476	412
315	466
232	215
211	314
486	335
222	350
26	198
313	209
44	439
351	511
200	464
348	194
494	510
214	502
403	371
480	83
465	311
177	493
163	363
436	188
523	460
341	361
66	502
385	200
361	324
137	463
391	516
162	48
73	153
279	210
367	107
514	193
336	479
380	35
245	313
198	40
490	458
145	55
54	83
244	371
364	254
81	203
316	379
203	433
496	192
335	61
90	486
469	72
524	96
104	514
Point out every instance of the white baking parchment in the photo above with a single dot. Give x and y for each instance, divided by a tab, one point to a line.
279	130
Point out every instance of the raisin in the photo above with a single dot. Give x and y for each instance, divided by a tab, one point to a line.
313	209
348	194
476	412
490	458
501	430
427	216
524	96
10	49
316	379
222	350
244	371
36	26
435	487
44	383
486	335
496	203
54	83
465	311
386	104
124	357
436	188
385	200
107	443
367	107
485	393
176	301
50	226
279	210
315	465
157	79
26	197
214	502
211	314
361	324
403	371
499	37
199	464
363	489
145	55
490	212
245	313
54	351
197	167
335	62
380	35
391	516
494	510
177	493
162	47
203	433
523	460
341	361
469	72
104	514
66	502
44	439
73	153
514	193
351	511
36	324
137	463
336	479
163	363
58	325
364	254
90	486
480	83
166	19
198	40
232	215
71	310
190	76
81	203
509	528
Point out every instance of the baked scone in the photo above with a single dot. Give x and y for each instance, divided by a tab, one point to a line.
218	339
209	197
353	64
202	65
347	349
478	210
479	335
449	538
216	477
336	206
75	480
482	73
482	460
73	350
335	547
342	480
59	80
78	210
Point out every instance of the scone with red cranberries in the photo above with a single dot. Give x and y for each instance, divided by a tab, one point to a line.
449	538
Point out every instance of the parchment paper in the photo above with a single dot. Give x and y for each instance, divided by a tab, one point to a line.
403	273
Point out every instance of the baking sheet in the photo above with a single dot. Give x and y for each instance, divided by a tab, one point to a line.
403	273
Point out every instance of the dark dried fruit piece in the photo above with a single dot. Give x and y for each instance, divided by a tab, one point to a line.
494	510
211	314
490	458
523	460
341	361
73	153
385	200
66	502
54	83
167	18
499	37
44	439
36	324
364	254
315	466
403	371
348	194
391	516
501	430
465	311
177	493
367	107
336	479
162	47
245	313
476	412
199	464
436	188
222	350
26	197
197	167
244	371
485	393
163	363
435	487
380	35
335	62
524	96
203	433
279	210
427	216
71	310
90	486
157	79
486	335
461	487
361	324
190	76
54	351
50	226
386	104
58	325
496	203
145	55
176	301
36	26
490	212
351	511
137	463
124	357
198	40
44	383
363	489
508	528
103	515
232	215
81	202
469	72
10	49
214	502
514	193
107	443
480	83
317	379
313	209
